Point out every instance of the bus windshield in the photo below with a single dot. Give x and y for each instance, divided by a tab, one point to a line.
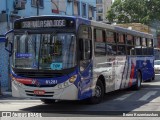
44	51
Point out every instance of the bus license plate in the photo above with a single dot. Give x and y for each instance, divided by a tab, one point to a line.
39	92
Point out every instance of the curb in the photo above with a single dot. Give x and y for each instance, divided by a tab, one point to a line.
5	95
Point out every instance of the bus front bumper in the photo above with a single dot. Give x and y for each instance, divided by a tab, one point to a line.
68	93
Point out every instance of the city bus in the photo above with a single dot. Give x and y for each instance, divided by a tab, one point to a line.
71	58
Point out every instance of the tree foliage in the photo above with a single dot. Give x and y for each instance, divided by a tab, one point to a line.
140	11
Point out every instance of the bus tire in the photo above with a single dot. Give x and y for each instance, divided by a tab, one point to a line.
99	93
48	101
137	86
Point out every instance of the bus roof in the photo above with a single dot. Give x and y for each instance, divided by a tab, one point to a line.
120	29
45	16
96	24
133	32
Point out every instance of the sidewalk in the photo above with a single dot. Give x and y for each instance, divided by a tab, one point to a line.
5	94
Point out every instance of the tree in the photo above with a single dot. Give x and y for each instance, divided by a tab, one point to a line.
140	11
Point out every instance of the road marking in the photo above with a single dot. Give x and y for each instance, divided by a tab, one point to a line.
147	95
156	99
124	96
28	103
152	88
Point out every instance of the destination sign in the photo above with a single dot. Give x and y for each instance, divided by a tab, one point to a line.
44	23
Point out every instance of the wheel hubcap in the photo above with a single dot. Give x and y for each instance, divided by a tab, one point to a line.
98	91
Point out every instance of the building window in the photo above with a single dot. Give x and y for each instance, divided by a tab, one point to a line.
76	8
83	10
100	9
91	12
34	3
99	1
99	18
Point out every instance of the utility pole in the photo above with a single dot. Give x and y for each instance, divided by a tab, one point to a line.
37	4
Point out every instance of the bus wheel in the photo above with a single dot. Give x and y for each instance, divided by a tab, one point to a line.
138	82
48	101
99	93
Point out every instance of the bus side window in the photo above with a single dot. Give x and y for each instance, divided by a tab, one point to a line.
150	47
130	44
129	39
144	46
85	49
138	47
85	46
130	50
121	47
100	45
150	42
111	47
121	50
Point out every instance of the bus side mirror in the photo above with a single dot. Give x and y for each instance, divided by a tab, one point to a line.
8	43
10	50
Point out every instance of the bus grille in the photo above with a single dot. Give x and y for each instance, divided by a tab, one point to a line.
37	74
47	94
34	85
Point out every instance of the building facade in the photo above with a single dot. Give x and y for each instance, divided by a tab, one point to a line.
82	8
14	9
4	78
102	7
10	10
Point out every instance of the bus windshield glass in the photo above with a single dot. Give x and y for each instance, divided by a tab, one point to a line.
44	51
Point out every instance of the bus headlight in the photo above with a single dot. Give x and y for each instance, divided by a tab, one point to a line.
68	82
73	79
63	85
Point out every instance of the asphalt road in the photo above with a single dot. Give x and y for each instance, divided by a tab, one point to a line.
122	103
